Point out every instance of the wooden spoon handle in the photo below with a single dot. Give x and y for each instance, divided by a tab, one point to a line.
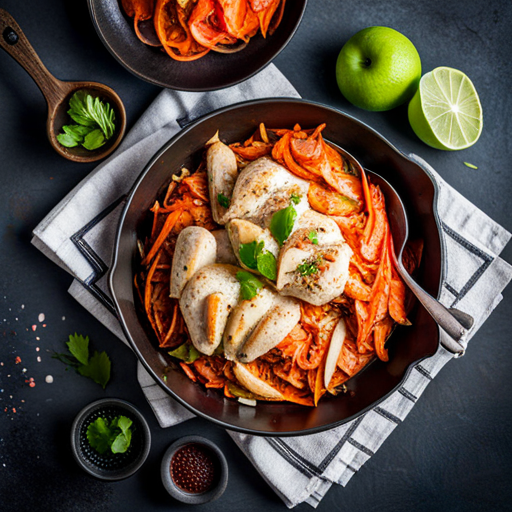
14	42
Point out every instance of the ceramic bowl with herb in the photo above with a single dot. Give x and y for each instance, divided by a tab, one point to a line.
110	439
194	470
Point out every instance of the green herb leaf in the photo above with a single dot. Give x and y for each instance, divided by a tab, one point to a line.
122	441
249	253
267	265
99	435
94	140
307	268
471	166
313	236
282	223
116	437
67	140
223	200
79	347
98	369
77	131
250	285
186	352
295	198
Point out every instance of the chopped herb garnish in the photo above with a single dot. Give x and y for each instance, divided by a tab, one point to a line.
295	198
313	237
223	200
117	436
250	285
96	368
308	268
186	352
282	223
471	166
95	122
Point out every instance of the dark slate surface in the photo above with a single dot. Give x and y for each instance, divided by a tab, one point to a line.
452	453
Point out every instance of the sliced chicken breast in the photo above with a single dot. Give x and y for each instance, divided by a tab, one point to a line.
206	302
244	232
222	175
272	329
225	252
263	188
254	384
314	272
243	319
195	248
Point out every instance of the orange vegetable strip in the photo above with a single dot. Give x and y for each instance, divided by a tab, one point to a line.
167	228
147	293
172	327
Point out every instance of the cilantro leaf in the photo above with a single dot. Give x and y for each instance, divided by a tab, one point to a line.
117	436
122	441
267	265
94	140
99	435
79	347
313	236
282	223
250	285
249	253
98	369
223	200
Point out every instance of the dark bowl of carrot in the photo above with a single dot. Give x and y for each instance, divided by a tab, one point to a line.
211	71
194	470
407	345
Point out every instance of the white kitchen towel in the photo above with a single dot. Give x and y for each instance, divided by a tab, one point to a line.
79	235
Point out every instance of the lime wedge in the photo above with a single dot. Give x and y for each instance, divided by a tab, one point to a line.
445	112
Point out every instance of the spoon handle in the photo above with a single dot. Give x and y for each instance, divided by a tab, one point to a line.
454	322
14	42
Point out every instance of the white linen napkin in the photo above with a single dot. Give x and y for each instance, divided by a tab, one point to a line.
78	234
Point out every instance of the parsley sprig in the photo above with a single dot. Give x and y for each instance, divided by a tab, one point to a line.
96	367
117	436
95	122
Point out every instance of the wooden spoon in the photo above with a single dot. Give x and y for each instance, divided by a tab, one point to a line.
57	93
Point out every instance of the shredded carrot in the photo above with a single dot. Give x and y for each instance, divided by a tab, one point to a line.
169	224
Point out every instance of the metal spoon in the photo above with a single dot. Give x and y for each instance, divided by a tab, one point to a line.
57	93
453	321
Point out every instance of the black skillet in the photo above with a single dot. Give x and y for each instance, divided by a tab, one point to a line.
407	345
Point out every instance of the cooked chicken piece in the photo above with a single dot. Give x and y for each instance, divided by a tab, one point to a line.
314	272
225	252
272	329
253	384
243	319
195	248
244	232
206	303
263	188
222	174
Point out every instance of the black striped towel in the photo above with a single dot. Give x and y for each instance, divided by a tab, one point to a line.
79	235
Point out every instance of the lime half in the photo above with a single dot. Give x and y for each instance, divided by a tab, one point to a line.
445	112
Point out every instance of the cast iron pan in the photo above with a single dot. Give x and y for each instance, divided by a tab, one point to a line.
407	345
213	71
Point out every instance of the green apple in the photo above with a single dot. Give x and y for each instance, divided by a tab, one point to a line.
378	69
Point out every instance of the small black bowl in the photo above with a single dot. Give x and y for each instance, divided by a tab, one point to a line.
110	466
211	72
221	467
